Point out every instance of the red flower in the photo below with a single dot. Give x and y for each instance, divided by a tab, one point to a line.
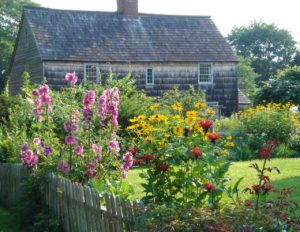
256	188
148	157
163	167
132	150
265	152
266	188
213	136
206	125
137	162
196	152
209	187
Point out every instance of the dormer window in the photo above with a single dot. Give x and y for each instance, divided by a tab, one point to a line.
149	76
205	73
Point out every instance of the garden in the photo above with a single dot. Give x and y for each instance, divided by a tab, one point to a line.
189	170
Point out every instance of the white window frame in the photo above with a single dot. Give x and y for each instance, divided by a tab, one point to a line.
215	105
149	83
98	74
211	73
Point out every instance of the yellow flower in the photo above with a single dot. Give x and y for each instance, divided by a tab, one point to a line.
210	112
177	106
132	127
200	105
178	131
198	128
139	118
158	118
147	139
229	137
229	144
192	115
155	106
224	152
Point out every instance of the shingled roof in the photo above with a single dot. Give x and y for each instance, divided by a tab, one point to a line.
111	37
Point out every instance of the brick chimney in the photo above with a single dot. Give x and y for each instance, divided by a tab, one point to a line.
128	8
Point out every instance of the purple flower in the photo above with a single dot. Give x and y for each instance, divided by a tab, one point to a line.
29	158
67	126
91	172
64	167
71	78
24	147
70	140
113	144
47	150
79	151
74	127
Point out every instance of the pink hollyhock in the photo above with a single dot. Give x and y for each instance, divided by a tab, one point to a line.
47	150
113	144
64	167
29	158
35	93
70	140
74	116
67	126
91	172
89	99
71	78
46	99
125	174
79	150
36	141
128	161
43	90
74	127
24	147
95	148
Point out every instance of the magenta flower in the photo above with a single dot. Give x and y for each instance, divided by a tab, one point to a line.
128	161
91	172
24	148
47	150
70	140
67	126
74	127
79	151
64	167
113	144
71	78
43	90
46	99
95	148
35	93
89	99
36	141
29	158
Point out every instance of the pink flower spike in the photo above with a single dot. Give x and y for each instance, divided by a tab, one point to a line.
43	90
79	151
36	141
35	93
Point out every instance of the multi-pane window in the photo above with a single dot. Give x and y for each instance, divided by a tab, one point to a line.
149	76
205	73
91	73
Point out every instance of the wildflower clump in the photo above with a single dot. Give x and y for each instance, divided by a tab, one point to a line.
182	153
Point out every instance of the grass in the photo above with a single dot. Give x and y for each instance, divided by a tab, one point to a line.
288	178
8	221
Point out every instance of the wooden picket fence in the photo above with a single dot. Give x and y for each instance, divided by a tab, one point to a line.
11	178
79	208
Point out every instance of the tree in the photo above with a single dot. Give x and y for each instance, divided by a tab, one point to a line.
285	87
10	15
296	60
269	47
246	77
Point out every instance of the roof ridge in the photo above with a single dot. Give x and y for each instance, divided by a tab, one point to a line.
112	12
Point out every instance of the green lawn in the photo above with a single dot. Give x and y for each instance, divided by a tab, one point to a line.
8	221
288	178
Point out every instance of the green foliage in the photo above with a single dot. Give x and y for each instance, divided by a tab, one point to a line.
269	47
246	77
285	87
10	16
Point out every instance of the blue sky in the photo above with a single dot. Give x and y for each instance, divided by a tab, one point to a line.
225	13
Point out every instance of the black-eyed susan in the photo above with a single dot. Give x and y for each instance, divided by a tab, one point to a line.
178	131
177	106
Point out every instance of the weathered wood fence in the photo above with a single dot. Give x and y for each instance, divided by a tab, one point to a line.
79	208
11	178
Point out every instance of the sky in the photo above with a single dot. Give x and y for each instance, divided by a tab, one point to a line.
225	13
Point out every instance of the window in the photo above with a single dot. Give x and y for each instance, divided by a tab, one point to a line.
91	73
205	73
149	76
216	107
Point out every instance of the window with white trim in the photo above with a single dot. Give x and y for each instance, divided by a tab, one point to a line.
91	73
205	73
149	76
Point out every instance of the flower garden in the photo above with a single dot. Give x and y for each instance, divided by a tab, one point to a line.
189	169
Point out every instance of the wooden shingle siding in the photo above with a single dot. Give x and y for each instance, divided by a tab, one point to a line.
166	76
26	54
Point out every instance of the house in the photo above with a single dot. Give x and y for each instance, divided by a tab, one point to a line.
160	50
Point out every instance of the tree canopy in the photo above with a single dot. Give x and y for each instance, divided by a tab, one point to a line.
10	15
269	47
246	77
285	87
